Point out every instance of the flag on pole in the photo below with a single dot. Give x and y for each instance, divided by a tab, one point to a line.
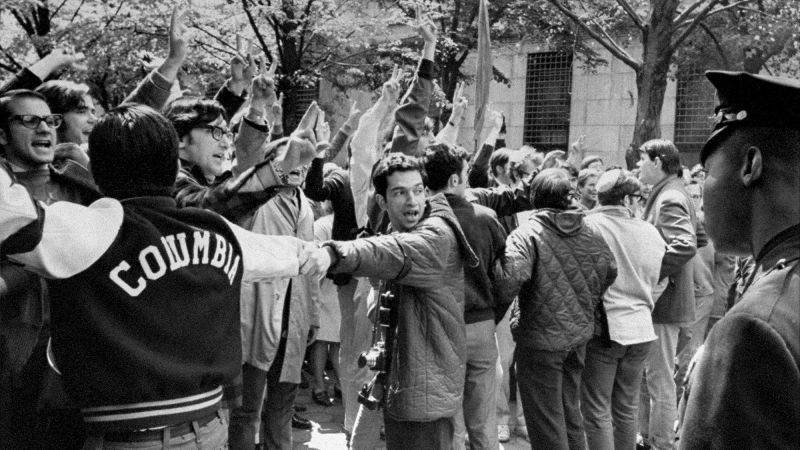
483	70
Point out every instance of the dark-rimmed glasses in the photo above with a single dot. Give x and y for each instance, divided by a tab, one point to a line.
32	121
217	132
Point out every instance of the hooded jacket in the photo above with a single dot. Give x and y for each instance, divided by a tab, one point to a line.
560	268
425	269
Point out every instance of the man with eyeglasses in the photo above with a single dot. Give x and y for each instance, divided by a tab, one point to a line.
31	419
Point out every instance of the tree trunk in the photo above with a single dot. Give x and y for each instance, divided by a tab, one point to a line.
651	79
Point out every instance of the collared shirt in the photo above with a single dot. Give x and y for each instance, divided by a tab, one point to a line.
638	249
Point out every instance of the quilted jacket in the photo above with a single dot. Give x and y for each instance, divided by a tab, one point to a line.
425	268
559	268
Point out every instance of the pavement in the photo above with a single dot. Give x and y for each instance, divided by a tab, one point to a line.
328	432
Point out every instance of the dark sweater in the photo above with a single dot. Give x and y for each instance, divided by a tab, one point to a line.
487	238
336	188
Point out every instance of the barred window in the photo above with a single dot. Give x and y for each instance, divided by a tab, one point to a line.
304	95
694	107
547	100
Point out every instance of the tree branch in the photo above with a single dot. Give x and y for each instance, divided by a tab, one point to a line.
685	13
717	45
695	22
306	21
255	29
728	7
612	46
77	10
14	62
205	47
631	13
215	37
59	7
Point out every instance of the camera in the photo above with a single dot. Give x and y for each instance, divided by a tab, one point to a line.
377	358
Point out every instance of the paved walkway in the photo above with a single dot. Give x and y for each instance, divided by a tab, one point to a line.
327	432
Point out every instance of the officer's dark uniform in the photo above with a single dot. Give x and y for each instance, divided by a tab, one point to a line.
745	390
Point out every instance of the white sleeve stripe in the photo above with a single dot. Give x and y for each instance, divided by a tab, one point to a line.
74	237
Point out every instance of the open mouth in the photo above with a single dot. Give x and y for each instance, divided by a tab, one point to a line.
42	143
411	215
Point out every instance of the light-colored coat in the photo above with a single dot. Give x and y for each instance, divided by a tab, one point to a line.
262	303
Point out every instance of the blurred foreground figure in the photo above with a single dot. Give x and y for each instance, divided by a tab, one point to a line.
745	389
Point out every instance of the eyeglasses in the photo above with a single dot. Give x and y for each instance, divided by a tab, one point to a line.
217	132
31	121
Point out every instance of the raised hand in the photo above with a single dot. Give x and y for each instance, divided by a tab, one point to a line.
262	88
425	26
353	116
459	104
391	88
178	33
496	119
64	57
322	130
309	119
275	113
579	146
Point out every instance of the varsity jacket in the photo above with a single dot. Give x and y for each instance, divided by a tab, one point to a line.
145	307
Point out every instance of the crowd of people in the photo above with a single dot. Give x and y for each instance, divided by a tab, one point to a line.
168	265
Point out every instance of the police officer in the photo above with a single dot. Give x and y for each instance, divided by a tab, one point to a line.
745	389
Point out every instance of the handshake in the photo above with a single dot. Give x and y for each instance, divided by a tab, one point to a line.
316	260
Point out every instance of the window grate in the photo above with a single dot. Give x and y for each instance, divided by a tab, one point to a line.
695	101
304	95
547	100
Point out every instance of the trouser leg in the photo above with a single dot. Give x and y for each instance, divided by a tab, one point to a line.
244	419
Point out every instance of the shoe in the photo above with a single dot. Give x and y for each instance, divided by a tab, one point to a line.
641	443
300	423
522	431
503	433
321	398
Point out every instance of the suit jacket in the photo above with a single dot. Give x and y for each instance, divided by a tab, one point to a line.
671	211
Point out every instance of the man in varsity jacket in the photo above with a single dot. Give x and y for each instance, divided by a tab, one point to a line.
145	296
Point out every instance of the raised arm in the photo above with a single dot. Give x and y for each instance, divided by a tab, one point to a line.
478	175
342	135
31	77
236	196
254	131
154	90
449	134
411	114
366	150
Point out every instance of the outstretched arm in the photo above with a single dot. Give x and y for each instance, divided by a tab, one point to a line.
52	240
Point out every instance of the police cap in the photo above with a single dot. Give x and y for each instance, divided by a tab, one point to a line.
747	100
